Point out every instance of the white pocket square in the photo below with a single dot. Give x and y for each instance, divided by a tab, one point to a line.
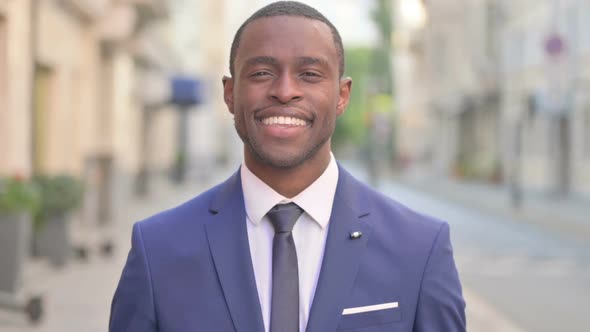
375	307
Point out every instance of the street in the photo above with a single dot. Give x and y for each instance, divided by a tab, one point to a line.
516	278
474	112
78	297
538	281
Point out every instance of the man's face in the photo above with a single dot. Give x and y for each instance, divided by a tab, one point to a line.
286	92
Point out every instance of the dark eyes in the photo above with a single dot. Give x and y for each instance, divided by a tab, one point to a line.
310	74
306	75
260	74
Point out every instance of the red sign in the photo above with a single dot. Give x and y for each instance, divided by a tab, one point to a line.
554	45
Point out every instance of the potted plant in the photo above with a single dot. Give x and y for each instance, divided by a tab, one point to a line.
60	195
19	200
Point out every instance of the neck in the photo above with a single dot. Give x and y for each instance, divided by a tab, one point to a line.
289	182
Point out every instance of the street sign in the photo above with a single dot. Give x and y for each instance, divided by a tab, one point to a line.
186	91
554	45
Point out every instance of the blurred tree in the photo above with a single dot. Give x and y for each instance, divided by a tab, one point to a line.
352	126
381	15
370	69
378	147
381	57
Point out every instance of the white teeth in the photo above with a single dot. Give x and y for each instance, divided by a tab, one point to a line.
283	120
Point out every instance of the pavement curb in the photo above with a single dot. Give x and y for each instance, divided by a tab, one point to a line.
553	220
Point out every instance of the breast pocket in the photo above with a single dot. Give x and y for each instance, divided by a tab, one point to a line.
354	318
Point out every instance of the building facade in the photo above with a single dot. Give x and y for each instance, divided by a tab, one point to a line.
545	78
505	91
414	131
79	88
462	64
15	87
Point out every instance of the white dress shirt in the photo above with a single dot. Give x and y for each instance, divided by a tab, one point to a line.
309	234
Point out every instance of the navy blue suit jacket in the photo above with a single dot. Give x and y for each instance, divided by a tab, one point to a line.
189	268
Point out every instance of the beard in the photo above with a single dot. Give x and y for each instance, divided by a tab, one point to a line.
285	160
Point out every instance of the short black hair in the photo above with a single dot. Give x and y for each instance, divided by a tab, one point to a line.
288	8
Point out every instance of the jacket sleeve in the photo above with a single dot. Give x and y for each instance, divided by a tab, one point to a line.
440	305
133	309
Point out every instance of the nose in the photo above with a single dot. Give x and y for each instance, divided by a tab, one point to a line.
285	89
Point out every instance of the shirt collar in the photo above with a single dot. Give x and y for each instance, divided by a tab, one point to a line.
316	200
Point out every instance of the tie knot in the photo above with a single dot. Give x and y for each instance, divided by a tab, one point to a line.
284	216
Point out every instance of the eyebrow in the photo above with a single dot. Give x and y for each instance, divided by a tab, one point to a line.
306	60
262	60
301	61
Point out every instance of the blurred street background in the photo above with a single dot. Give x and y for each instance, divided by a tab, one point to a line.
474	111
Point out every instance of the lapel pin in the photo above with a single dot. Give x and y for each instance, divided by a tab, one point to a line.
356	235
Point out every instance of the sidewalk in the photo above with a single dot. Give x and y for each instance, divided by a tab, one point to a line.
481	316
77	298
567	217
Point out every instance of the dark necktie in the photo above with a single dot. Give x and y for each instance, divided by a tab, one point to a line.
284	314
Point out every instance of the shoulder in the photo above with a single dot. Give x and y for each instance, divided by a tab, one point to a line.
391	209
187	215
391	219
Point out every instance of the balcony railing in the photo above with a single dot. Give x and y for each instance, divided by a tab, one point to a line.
87	9
150	9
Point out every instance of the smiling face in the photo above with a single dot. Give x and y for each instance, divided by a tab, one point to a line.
286	92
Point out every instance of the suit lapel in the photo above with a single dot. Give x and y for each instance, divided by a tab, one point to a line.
342	255
228	241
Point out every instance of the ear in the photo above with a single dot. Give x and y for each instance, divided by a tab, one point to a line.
228	92
344	95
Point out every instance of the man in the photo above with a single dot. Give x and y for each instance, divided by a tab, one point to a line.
291	242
